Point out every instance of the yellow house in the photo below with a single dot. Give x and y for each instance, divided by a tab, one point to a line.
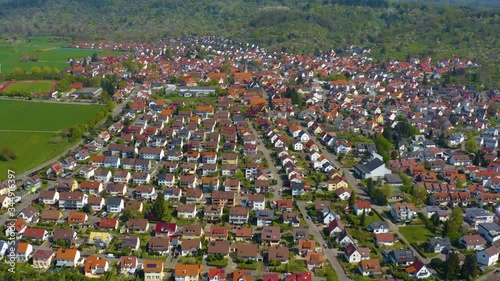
337	183
378	118
153	270
70	184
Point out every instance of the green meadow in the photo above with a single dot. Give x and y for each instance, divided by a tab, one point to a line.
30	128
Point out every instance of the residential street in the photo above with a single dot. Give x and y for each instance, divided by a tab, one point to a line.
330	254
272	166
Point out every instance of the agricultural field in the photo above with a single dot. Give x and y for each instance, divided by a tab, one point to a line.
40	51
30	128
39	86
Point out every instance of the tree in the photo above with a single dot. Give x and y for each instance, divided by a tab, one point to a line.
159	208
8	154
352	200
453	226
362	220
420	194
95	57
131	213
471	145
469	268
452	266
387	189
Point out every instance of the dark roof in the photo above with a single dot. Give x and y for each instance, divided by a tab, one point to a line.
370	166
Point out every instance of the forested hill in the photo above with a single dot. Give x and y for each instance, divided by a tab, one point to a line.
461	3
390	28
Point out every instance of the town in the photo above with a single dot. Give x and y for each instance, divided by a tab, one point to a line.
229	162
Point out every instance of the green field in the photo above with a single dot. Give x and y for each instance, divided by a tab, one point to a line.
46	50
40	116
29	128
416	234
41	86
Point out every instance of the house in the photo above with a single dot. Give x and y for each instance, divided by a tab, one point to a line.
305	246
100	239
115	205
128	265
490	231
43	259
146	191
153	270
242	275
108	223
354	254
172	194
55	170
278	254
66	185
77	218
401	257
217	233
343	193
102	175
73	200
314	260
247	251
487	257
473	242
166	180
190	246
48	197
160	245
212	213
35	234
138	225
429	211
238	215
194	196
403	211
375	168
33	183
301	276
361	207
92	187
116	189
95	266
186	211
187	272
369	267
270	235
476	216
141	178
192	231
65	235
131	242
218	248
378	227
256	201
344	238
384	239
67	257
439	244
418	270
216	274
335	227
165	229
29	214
49	215
23	251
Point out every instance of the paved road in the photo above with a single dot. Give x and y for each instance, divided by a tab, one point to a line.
272	166
330	254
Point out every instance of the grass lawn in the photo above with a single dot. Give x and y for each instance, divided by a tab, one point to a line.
328	272
40	86
49	52
29	128
416	234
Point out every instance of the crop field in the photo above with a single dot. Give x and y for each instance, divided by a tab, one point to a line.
39	86
30	128
45	51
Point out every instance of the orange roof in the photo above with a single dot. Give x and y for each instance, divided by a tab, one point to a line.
66	254
98	158
22	247
187	269
77	217
153	266
93	262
